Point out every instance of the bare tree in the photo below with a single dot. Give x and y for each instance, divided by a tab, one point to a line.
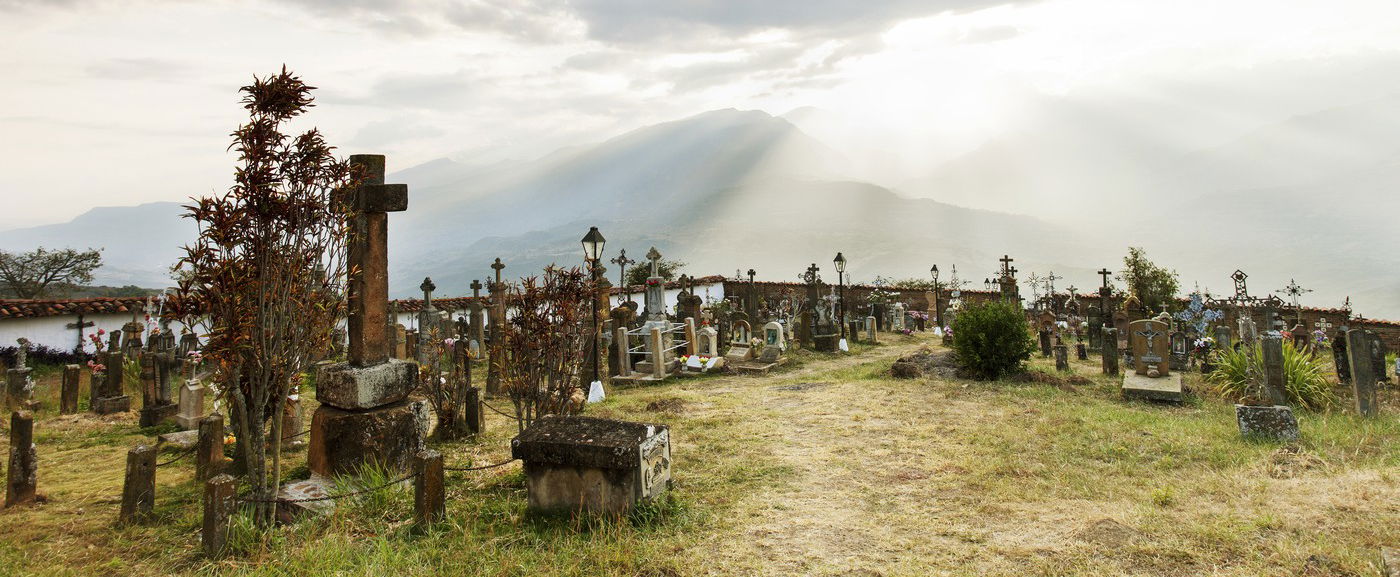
544	343
268	267
36	273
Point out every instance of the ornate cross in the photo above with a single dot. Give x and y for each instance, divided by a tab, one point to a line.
622	261
751	274
370	204
1295	291
811	276
1241	291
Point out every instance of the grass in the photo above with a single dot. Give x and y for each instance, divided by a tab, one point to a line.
851	473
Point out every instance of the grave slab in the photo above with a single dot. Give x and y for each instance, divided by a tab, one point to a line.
1167	389
600	465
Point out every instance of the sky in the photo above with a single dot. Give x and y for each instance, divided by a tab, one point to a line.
120	103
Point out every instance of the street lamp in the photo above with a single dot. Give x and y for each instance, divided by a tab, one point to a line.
592	251
840	262
937	297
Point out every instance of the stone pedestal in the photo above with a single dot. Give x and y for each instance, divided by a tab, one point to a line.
343	441
110	396
1267	422
19	390
191	405
599	465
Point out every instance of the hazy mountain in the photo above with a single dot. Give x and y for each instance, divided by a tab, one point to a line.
139	243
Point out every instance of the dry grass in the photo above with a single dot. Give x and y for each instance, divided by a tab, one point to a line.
827	468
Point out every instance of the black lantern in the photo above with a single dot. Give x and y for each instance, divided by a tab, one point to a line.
593	245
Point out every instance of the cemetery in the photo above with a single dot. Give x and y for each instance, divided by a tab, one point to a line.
280	411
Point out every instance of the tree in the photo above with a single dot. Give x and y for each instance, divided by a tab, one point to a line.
267	269
667	268
1154	286
37	273
543	343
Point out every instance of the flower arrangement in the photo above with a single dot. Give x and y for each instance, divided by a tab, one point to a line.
918	315
1320	340
654	282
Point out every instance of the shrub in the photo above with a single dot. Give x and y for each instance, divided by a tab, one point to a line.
992	339
1304	382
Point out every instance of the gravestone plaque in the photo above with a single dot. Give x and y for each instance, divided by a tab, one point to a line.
1151	377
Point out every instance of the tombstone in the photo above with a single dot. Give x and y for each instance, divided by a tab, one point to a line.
1095	331
475	323
897	314
68	395
110	397
1274	385
596	465
1222	337
154	410
1045	346
19	389
773	343
1363	373
1180	351
365	415
707	342
1340	359
740	343
872	326
191	405
21	479
1062	357
1151	377
139	486
1378	352
1081	352
1275	422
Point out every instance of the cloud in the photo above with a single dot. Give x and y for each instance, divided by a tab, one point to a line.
137	69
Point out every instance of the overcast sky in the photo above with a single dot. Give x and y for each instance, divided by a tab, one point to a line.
113	103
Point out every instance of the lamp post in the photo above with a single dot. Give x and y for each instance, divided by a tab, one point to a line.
592	251
937	297
840	262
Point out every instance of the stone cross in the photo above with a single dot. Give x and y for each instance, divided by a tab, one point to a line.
427	287
1105	273
370	204
498	266
655	258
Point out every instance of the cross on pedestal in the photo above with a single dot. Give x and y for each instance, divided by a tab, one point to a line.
476	289
1006	261
370	205
427	287
498	266
1105	273
622	261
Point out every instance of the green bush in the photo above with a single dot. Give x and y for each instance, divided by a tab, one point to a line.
1304	382
992	339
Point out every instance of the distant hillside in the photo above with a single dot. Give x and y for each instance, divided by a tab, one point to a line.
139	243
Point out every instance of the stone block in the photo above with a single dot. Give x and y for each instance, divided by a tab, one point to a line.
1269	422
109	405
345	386
181	440
344	441
1167	388
600	465
157	414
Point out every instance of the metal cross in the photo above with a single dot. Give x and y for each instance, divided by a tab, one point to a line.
1241	291
622	261
811	276
1295	291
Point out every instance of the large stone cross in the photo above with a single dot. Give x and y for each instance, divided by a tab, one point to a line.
1105	273
476	289
1006	261
370	205
498	266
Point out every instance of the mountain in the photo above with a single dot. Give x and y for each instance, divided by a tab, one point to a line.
1307	197
139	243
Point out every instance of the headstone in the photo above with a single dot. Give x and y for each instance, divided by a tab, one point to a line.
68	397
773	343
23	472
1151	377
1222	337
191	405
897	317
740	343
111	394
596	465
1340	359
1363	374
154	410
139	487
220	501
708	342
871	327
364	416
1274	386
1045	346
1081	352
1062	357
475	322
1180	351
209	454
1274	423
429	492
19	389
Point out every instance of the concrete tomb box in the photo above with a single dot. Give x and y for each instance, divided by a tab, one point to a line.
600	465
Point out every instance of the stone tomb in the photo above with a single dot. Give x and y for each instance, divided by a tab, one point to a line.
1151	377
598	465
740	344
